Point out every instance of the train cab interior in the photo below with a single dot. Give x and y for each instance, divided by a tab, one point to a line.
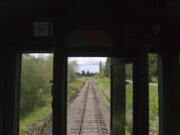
126	31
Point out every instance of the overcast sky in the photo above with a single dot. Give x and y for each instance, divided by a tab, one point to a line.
84	63
40	54
88	63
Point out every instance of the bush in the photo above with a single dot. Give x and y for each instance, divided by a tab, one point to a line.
35	87
71	71
73	87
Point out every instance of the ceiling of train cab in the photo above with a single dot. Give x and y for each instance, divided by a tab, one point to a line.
12	9
129	16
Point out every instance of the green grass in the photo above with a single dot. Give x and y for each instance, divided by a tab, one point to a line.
103	84
129	97
104	97
153	109
153	104
127	131
34	118
129	107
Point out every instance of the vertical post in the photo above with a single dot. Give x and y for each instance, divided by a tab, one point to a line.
1	89
168	63
165	86
59	93
175	99
10	92
161	95
17	86
140	94
118	97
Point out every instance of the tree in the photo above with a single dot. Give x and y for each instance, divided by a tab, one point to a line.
129	71
83	73
152	66
88	73
72	67
100	67
107	67
35	87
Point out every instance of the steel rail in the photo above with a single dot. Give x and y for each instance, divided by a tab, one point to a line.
84	108
97	112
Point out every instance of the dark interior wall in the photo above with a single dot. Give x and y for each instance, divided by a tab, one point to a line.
124	21
1	95
170	69
141	93
118	96
129	24
10	80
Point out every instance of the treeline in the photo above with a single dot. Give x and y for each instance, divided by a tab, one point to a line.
152	67
72	76
86	74
35	87
104	70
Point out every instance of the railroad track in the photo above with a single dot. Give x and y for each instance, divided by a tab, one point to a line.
90	120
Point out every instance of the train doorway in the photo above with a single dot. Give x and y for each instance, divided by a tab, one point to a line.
88	95
126	80
114	78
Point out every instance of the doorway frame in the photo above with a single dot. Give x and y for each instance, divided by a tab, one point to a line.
63	55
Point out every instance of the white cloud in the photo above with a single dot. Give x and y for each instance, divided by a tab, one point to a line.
42	55
39	54
88	63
